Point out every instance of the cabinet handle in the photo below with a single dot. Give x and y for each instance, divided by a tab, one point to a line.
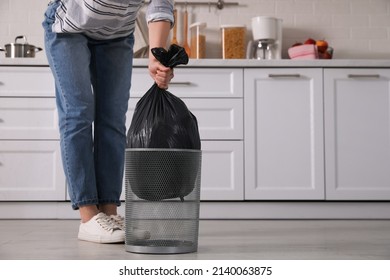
284	75
180	83
373	76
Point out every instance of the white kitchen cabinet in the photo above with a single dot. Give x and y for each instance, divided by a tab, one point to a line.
30	160
357	134
31	170
284	156
268	134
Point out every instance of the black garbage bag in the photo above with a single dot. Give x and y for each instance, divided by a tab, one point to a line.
161	120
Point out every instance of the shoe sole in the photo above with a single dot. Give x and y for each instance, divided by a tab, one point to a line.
99	239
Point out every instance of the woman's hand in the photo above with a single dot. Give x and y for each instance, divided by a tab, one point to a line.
160	74
158	35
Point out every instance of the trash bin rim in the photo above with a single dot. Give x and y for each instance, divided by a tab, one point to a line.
162	150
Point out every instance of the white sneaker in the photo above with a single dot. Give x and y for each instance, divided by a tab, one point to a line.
118	220
135	232
101	229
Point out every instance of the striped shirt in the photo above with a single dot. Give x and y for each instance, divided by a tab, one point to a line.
107	19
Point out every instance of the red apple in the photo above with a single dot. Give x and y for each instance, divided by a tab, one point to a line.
310	41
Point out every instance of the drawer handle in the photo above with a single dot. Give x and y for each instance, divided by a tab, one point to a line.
180	83
284	75
374	76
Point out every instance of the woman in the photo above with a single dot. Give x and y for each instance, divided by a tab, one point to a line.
89	45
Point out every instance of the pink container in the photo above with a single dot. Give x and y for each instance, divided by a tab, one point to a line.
303	52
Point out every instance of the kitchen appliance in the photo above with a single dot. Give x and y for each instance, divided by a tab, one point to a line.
267	38
16	49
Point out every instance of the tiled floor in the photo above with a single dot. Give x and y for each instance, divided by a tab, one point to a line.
218	239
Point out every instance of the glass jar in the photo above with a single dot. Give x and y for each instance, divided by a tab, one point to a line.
198	40
233	41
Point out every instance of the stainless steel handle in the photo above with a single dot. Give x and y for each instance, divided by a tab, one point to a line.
284	75
370	76
21	37
180	83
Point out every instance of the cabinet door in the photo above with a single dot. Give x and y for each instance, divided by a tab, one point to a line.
284	156
31	170
222	170
357	134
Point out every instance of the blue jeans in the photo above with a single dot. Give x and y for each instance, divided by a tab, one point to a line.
92	79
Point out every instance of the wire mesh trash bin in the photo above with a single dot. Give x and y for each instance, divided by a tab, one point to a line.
162	200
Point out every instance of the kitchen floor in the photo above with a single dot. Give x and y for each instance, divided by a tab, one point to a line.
218	239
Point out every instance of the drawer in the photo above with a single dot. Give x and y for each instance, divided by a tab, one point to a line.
217	118
26	81
28	118
31	170
194	82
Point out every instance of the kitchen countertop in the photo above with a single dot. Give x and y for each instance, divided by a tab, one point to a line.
240	63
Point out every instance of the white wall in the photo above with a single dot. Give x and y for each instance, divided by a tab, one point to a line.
355	28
